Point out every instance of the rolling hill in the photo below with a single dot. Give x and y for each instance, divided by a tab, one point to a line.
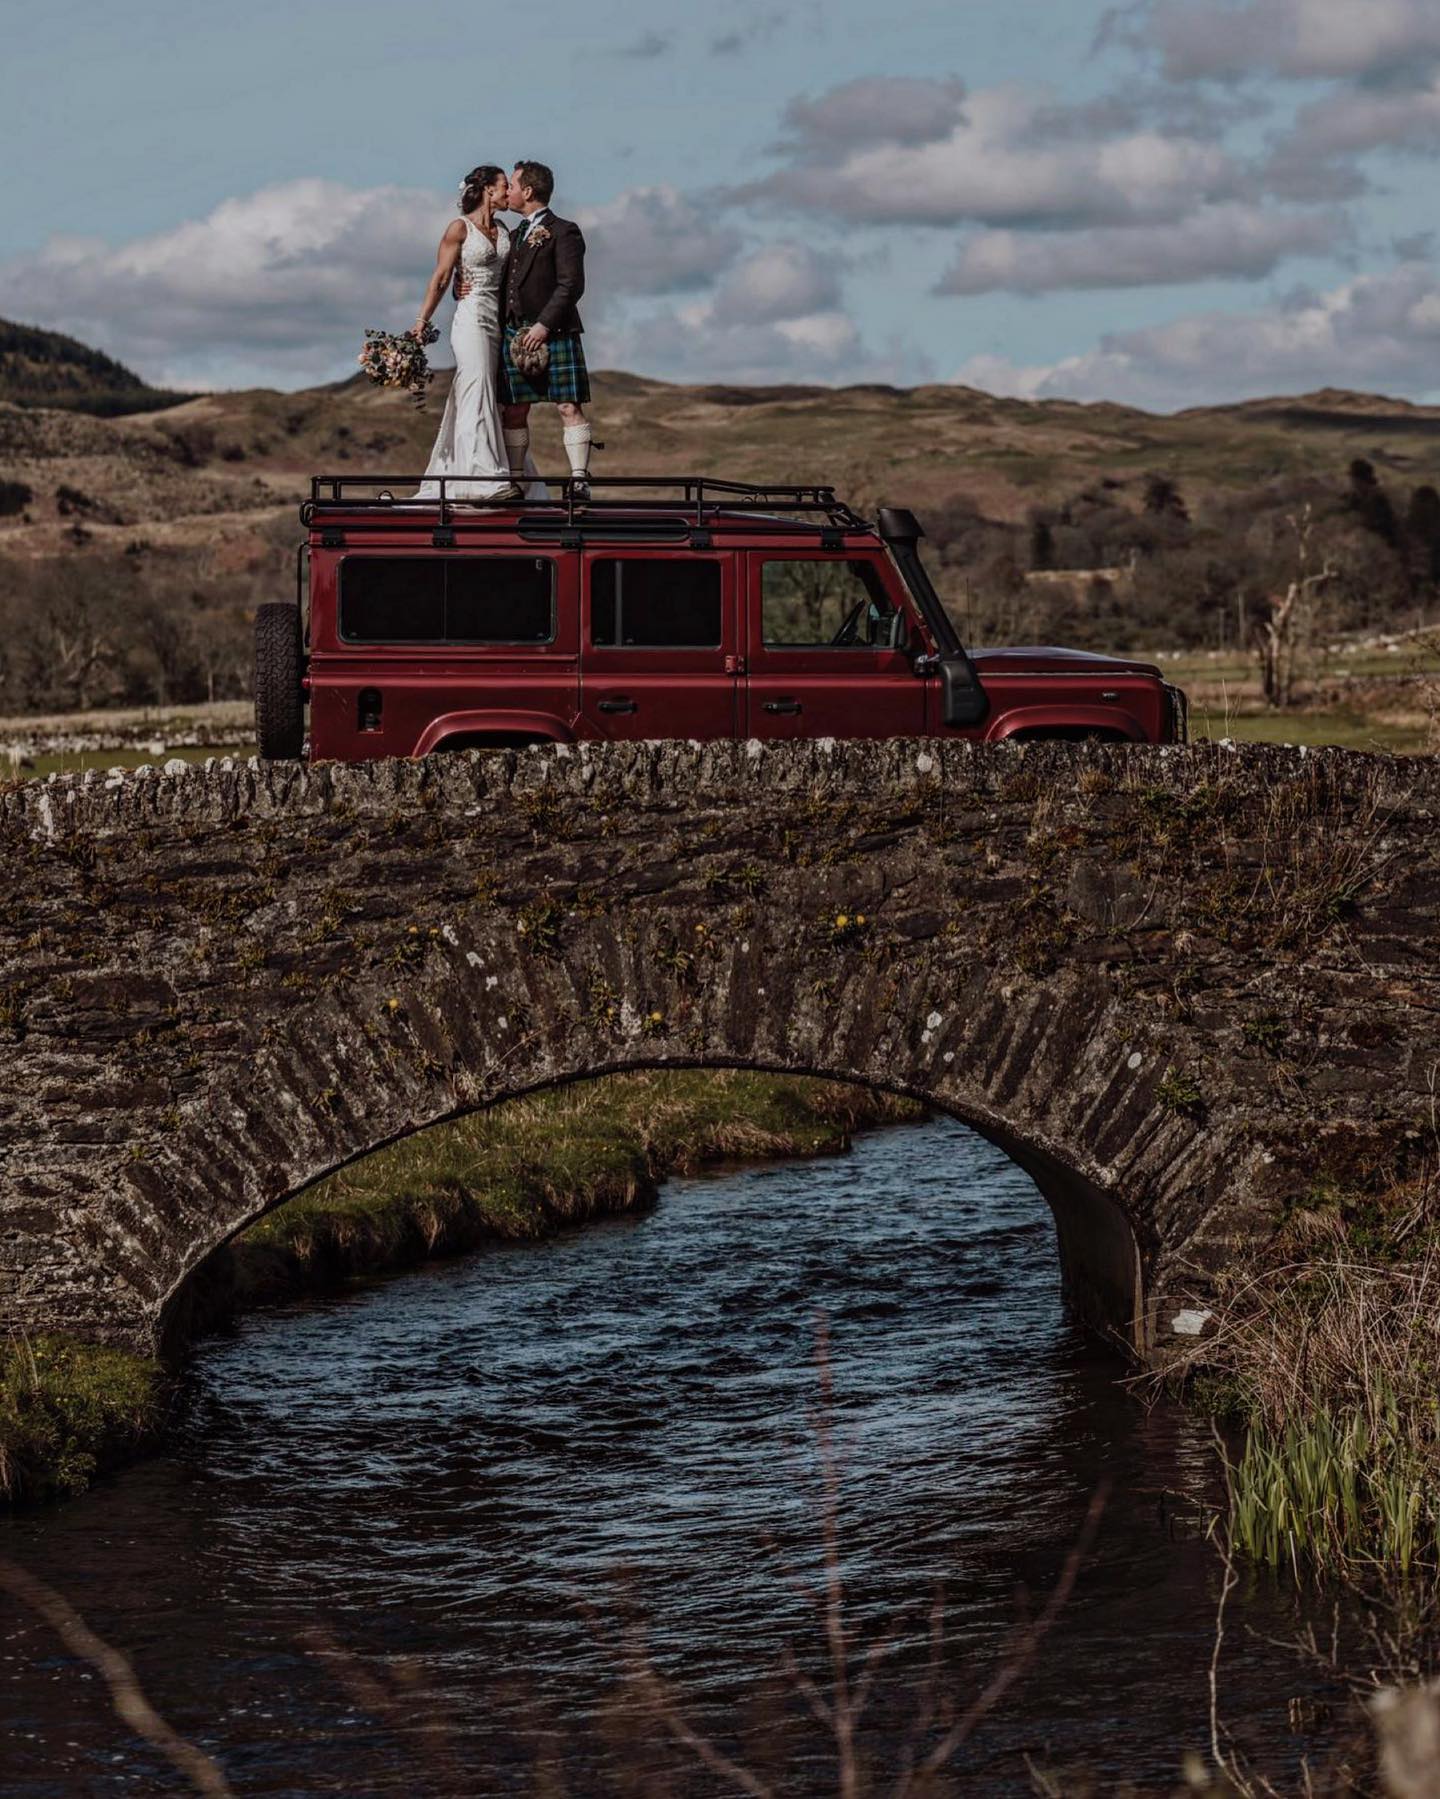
247	451
144	527
45	368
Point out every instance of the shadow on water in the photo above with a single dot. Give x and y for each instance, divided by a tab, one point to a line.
463	1479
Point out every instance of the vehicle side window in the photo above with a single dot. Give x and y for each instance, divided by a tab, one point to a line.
654	604
814	603
447	599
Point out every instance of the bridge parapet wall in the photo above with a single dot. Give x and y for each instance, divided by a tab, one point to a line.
1186	987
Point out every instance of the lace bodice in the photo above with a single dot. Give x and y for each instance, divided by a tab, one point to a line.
483	263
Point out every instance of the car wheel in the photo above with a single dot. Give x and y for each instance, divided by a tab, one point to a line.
279	698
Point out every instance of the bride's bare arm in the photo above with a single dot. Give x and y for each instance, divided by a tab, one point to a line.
446	258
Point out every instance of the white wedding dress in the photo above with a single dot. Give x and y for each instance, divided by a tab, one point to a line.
470	442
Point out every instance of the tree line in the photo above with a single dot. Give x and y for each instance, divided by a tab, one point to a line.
135	627
1132	565
1121	565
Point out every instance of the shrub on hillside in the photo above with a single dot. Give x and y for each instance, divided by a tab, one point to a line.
15	496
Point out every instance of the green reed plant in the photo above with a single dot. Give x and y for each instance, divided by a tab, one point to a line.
1330	1366
1331	1491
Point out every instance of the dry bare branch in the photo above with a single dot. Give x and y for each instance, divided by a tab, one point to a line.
115	1669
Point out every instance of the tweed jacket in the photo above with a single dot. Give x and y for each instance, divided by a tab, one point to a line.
544	281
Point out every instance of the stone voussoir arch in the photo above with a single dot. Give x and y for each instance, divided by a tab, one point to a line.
1167	981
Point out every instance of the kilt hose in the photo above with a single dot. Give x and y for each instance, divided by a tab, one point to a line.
565	383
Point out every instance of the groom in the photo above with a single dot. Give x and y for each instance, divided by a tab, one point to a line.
545	279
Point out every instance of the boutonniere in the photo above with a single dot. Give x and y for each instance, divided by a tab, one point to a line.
534	239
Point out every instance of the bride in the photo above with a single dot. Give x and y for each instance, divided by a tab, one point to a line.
470	442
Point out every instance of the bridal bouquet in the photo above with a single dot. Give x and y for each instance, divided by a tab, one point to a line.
398	360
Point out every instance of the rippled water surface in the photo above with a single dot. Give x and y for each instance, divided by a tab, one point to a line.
469	1483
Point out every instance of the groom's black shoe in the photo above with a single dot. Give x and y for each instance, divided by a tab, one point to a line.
580	487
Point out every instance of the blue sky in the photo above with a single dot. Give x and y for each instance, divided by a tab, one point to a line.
1169	203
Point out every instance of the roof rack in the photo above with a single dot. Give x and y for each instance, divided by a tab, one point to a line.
698	501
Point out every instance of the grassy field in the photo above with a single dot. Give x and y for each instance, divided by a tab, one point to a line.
1340	726
1357	697
521	1172
75	762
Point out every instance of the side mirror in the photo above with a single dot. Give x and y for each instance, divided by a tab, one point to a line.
963	700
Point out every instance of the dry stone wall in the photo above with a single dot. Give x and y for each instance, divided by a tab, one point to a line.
1184	987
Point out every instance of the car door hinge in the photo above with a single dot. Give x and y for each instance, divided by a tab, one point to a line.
734	665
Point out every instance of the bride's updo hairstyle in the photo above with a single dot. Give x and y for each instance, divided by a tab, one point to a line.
472	188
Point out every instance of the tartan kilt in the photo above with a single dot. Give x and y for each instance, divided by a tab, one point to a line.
565	383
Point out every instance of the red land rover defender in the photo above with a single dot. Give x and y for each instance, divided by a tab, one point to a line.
721	610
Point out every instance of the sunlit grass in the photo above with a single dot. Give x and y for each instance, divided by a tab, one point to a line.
523	1170
1337	727
75	762
1328	1362
65	1407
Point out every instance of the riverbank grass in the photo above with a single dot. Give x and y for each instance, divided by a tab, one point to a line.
520	1172
525	1170
67	1409
1329	1364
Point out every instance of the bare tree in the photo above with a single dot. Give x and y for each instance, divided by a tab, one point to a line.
1288	623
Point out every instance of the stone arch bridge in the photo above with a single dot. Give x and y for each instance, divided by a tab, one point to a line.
1182	987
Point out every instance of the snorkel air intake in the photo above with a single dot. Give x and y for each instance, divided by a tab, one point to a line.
963	699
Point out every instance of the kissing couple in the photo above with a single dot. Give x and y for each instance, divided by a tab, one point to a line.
515	334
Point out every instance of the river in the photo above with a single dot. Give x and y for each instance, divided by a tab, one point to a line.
398	1541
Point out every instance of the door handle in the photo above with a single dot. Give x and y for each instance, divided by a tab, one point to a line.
621	705
789	706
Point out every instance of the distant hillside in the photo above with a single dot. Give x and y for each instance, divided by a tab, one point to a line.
134	549
44	368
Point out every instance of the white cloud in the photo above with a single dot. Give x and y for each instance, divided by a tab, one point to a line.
778	282
1353	120
1230	239
776	317
1229	40
654	240
279	286
1015	157
891	109
283	281
688	343
1379	332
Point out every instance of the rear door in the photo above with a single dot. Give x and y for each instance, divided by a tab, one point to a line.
659	651
429	642
829	645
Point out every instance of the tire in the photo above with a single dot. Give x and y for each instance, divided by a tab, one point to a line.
279	698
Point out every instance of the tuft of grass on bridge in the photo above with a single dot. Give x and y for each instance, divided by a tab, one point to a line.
535	1166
